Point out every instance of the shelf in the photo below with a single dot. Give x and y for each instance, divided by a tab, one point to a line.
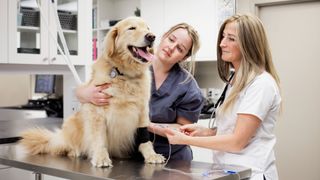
28	29
37	29
69	31
101	29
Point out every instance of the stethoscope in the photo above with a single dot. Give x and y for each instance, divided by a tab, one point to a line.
212	120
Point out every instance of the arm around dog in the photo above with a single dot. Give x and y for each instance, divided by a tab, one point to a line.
89	93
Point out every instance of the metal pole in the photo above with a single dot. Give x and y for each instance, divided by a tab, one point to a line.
37	176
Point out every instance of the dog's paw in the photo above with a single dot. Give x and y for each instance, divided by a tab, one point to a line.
155	159
101	160
73	154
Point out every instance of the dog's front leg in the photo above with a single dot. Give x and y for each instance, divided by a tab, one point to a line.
99	152
146	148
150	156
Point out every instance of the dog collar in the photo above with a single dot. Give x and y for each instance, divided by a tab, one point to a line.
115	72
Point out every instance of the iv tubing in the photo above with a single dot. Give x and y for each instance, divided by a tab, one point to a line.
67	55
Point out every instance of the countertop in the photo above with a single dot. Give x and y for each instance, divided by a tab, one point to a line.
11	128
81	169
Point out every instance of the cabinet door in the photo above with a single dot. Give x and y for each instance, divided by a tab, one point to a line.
15	173
202	154
28	36
202	15
3	31
75	19
152	11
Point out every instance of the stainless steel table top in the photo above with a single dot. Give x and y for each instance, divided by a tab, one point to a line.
81	169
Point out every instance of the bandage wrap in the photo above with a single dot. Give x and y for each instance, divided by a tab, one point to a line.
143	135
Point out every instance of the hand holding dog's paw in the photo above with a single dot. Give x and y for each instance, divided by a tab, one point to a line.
155	159
101	159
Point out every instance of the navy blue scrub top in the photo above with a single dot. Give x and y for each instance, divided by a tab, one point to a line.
174	98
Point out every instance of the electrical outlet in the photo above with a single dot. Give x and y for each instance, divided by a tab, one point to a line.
210	92
75	105
214	94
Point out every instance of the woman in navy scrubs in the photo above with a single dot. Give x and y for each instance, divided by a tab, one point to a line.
175	96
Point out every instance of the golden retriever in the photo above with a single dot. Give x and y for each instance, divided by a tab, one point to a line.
114	130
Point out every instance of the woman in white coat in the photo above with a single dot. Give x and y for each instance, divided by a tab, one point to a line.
246	120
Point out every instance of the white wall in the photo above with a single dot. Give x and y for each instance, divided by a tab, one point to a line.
207	75
17	89
14	89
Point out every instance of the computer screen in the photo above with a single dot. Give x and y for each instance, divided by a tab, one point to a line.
45	83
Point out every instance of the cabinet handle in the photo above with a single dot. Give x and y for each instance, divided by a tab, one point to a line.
45	59
53	59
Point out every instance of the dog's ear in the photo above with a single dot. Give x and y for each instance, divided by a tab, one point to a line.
110	41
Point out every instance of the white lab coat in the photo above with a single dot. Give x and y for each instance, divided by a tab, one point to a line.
262	99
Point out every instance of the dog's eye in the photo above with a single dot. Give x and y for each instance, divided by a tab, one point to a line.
132	28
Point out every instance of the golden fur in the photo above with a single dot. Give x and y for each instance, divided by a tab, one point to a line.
101	132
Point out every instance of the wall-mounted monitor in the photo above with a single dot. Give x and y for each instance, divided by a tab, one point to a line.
45	83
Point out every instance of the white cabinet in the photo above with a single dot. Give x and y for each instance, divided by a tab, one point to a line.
153	12
3	31
11	173
202	15
202	154
15	173
105	12
30	41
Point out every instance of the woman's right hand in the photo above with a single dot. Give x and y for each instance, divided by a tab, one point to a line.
196	130
93	94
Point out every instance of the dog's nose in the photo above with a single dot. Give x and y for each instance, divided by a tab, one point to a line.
150	37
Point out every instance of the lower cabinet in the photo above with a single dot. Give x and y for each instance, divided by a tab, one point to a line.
19	174
15	174
202	154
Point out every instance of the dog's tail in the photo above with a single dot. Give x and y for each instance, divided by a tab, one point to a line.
41	141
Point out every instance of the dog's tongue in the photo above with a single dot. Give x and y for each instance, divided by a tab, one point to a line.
147	56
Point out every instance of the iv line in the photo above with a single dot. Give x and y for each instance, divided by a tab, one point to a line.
63	41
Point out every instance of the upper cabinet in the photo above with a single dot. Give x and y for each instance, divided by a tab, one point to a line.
163	14
204	16
33	33
3	31
105	13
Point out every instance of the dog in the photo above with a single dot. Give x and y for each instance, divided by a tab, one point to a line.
114	130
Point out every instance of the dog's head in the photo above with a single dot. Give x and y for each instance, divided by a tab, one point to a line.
130	40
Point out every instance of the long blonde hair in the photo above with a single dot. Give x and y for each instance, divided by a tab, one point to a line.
256	55
193	34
